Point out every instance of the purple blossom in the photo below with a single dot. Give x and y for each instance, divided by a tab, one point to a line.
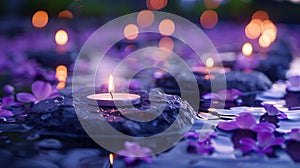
5	113
294	134
204	147
133	152
41	91
200	136
273	111
191	135
8	102
248	122
223	95
200	144
263	145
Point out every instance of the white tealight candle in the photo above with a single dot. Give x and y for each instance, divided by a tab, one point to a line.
114	99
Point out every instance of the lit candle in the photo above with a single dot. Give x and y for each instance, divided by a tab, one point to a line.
115	99
111	160
210	68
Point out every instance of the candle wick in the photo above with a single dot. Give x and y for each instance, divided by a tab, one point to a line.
112	97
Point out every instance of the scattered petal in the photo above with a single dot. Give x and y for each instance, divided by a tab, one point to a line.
26	97
41	90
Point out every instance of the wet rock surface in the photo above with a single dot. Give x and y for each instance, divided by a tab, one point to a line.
243	81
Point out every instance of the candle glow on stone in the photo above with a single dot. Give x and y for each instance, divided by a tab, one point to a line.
61	37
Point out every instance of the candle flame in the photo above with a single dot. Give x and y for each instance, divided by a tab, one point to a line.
209	62
111	158
111	87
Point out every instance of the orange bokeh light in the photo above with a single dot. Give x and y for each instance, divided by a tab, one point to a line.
145	18
66	14
247	49
40	19
271	33
209	19
61	85
253	29
61	37
166	43
166	27
156	4
131	31
269	29
264	40
61	73
261	15
212	4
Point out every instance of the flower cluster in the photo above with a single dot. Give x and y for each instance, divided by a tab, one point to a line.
133	153
246	121
199	144
41	91
264	139
263	145
273	111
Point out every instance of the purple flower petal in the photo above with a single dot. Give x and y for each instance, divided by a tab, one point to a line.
212	96
134	152
265	139
265	150
26	97
282	116
271	109
228	126
5	113
54	93
129	160
7	101
191	135
231	94
264	127
147	159
41	90
245	121
277	141
248	144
